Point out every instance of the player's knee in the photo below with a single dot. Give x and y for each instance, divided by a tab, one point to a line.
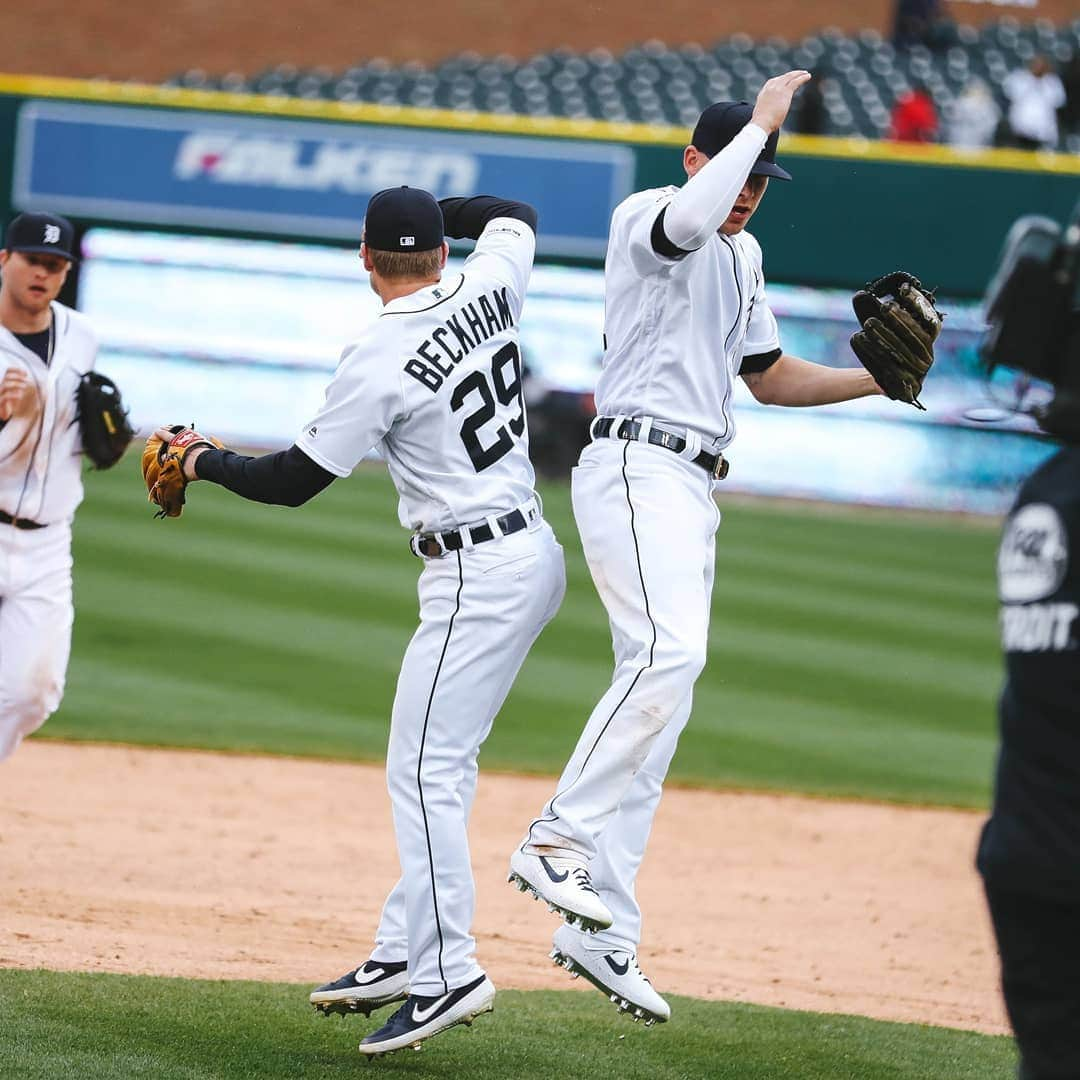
681	662
26	706
416	772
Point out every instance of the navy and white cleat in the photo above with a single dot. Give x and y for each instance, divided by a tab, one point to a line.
421	1017
613	972
563	882
368	987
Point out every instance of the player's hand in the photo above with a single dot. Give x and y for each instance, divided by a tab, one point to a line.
166	435
774	99
16	392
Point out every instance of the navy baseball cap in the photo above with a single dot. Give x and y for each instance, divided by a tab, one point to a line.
403	219
720	123
41	234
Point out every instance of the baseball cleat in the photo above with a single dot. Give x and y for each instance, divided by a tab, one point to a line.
614	972
563	882
421	1017
368	987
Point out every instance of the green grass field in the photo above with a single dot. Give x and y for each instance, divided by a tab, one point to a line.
851	654
106	1027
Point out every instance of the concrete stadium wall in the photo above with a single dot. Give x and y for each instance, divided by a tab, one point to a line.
102	38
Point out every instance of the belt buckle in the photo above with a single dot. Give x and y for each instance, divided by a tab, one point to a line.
720	469
425	546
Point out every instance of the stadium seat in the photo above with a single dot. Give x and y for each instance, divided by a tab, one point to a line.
863	74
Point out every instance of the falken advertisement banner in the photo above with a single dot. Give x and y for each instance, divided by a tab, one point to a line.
298	178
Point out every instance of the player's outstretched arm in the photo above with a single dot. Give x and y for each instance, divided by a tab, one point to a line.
796	382
176	456
703	203
286	478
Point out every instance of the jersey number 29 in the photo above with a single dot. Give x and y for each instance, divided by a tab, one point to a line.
498	389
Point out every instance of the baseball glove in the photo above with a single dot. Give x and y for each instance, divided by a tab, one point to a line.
103	420
900	323
163	467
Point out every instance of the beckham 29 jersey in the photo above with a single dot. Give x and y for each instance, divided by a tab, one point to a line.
677	329
435	384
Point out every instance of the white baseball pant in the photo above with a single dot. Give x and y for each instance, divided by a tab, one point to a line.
480	612
648	526
36	616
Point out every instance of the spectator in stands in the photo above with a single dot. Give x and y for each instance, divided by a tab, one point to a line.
1035	94
811	114
1069	115
913	22
975	116
914	118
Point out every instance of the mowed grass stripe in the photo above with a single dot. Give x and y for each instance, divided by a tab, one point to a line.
784	742
100	1027
219	716
828	670
844	611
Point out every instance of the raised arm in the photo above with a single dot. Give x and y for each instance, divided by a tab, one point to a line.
703	203
467	218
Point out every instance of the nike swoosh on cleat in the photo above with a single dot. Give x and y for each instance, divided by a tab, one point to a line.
420	1013
619	969
551	873
368	977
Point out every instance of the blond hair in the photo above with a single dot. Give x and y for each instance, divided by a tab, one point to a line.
407	265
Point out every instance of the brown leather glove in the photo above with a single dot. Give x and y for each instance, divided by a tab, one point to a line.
163	467
900	324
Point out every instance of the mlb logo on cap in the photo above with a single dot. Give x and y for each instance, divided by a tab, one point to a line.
403	219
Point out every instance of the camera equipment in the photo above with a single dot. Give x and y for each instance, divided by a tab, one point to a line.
1033	312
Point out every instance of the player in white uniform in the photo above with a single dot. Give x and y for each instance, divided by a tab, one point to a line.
435	383
686	313
44	348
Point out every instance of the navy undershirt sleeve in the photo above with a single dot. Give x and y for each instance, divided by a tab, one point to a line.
759	362
467	218
287	478
661	243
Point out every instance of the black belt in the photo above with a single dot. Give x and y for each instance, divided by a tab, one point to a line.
20	523
428	544
714	464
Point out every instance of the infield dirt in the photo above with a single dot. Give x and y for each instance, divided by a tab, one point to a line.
224	866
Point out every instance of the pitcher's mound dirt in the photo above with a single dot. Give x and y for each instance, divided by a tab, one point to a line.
220	866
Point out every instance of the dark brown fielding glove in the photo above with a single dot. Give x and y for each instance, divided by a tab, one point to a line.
103	420
900	323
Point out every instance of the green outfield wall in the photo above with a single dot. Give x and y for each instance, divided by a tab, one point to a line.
248	165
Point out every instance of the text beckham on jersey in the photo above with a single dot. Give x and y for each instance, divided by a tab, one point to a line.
432	370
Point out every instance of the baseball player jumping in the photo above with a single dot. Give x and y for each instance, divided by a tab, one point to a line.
45	348
435	383
686	313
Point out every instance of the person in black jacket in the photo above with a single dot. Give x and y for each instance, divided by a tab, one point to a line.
1029	853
